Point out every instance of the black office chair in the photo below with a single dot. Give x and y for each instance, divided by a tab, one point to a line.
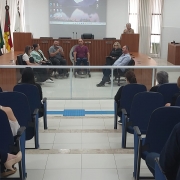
117	74
20	62
87	36
65	37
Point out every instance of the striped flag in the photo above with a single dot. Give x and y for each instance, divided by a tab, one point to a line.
18	19
7	31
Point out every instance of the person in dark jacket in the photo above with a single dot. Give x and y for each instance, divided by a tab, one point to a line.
28	77
115	53
130	78
161	77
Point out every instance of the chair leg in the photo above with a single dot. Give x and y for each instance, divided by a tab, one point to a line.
45	115
115	115
36	133
124	131
138	165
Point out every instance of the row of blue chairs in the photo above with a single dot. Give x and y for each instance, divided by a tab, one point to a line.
25	103
143	113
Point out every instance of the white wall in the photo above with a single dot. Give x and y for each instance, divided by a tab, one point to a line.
117	17
37	17
171	25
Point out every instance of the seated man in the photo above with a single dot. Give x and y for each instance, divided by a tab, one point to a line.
128	29
123	60
81	54
56	53
169	159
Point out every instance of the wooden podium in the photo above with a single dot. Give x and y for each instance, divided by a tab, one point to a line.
21	40
131	40
174	53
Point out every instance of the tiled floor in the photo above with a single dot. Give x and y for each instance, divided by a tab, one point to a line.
82	148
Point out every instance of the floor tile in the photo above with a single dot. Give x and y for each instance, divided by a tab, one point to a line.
67	146
71	122
64	161
36	161
98	161
66	138
93	122
35	174
63	174
99	174
95	146
94	138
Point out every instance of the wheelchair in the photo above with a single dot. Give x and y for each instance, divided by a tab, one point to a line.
118	75
78	72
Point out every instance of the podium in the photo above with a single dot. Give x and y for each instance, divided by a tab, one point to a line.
131	40
21	40
174	53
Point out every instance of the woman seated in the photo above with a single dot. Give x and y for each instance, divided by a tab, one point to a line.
114	54
161	77
175	96
42	73
8	161
130	79
38	55
28	78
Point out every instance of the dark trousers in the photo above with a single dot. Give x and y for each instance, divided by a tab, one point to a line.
41	74
84	61
170	156
110	61
59	62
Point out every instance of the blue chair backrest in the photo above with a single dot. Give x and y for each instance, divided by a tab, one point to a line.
6	137
128	92
19	104
178	101
32	93
168	90
144	103
161	123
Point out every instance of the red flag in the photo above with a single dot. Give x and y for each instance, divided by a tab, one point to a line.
7	31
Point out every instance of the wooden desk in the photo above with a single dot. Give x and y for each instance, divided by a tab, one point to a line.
174	53
8	77
143	76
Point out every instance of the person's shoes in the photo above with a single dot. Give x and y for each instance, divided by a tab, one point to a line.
49	81
120	122
100	84
108	82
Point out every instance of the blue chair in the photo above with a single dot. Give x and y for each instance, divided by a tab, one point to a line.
20	106
7	143
159	175
143	104
128	92
168	90
178	101
32	93
161	123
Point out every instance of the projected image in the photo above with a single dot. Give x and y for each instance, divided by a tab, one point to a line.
80	12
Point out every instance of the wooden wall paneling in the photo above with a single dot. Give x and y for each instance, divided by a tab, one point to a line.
20	40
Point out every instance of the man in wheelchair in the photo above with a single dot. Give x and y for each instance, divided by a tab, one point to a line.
123	60
81	56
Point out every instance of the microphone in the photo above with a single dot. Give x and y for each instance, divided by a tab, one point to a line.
76	35
73	35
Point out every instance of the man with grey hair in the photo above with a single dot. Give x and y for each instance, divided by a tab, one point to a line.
128	29
161	77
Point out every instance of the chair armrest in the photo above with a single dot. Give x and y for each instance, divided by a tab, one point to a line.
159	174
44	100
124	111
35	112
137	130
21	130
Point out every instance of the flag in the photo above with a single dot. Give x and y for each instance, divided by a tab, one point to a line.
7	31
1	38
18	20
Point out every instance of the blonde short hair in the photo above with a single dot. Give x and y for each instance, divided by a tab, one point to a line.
118	44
